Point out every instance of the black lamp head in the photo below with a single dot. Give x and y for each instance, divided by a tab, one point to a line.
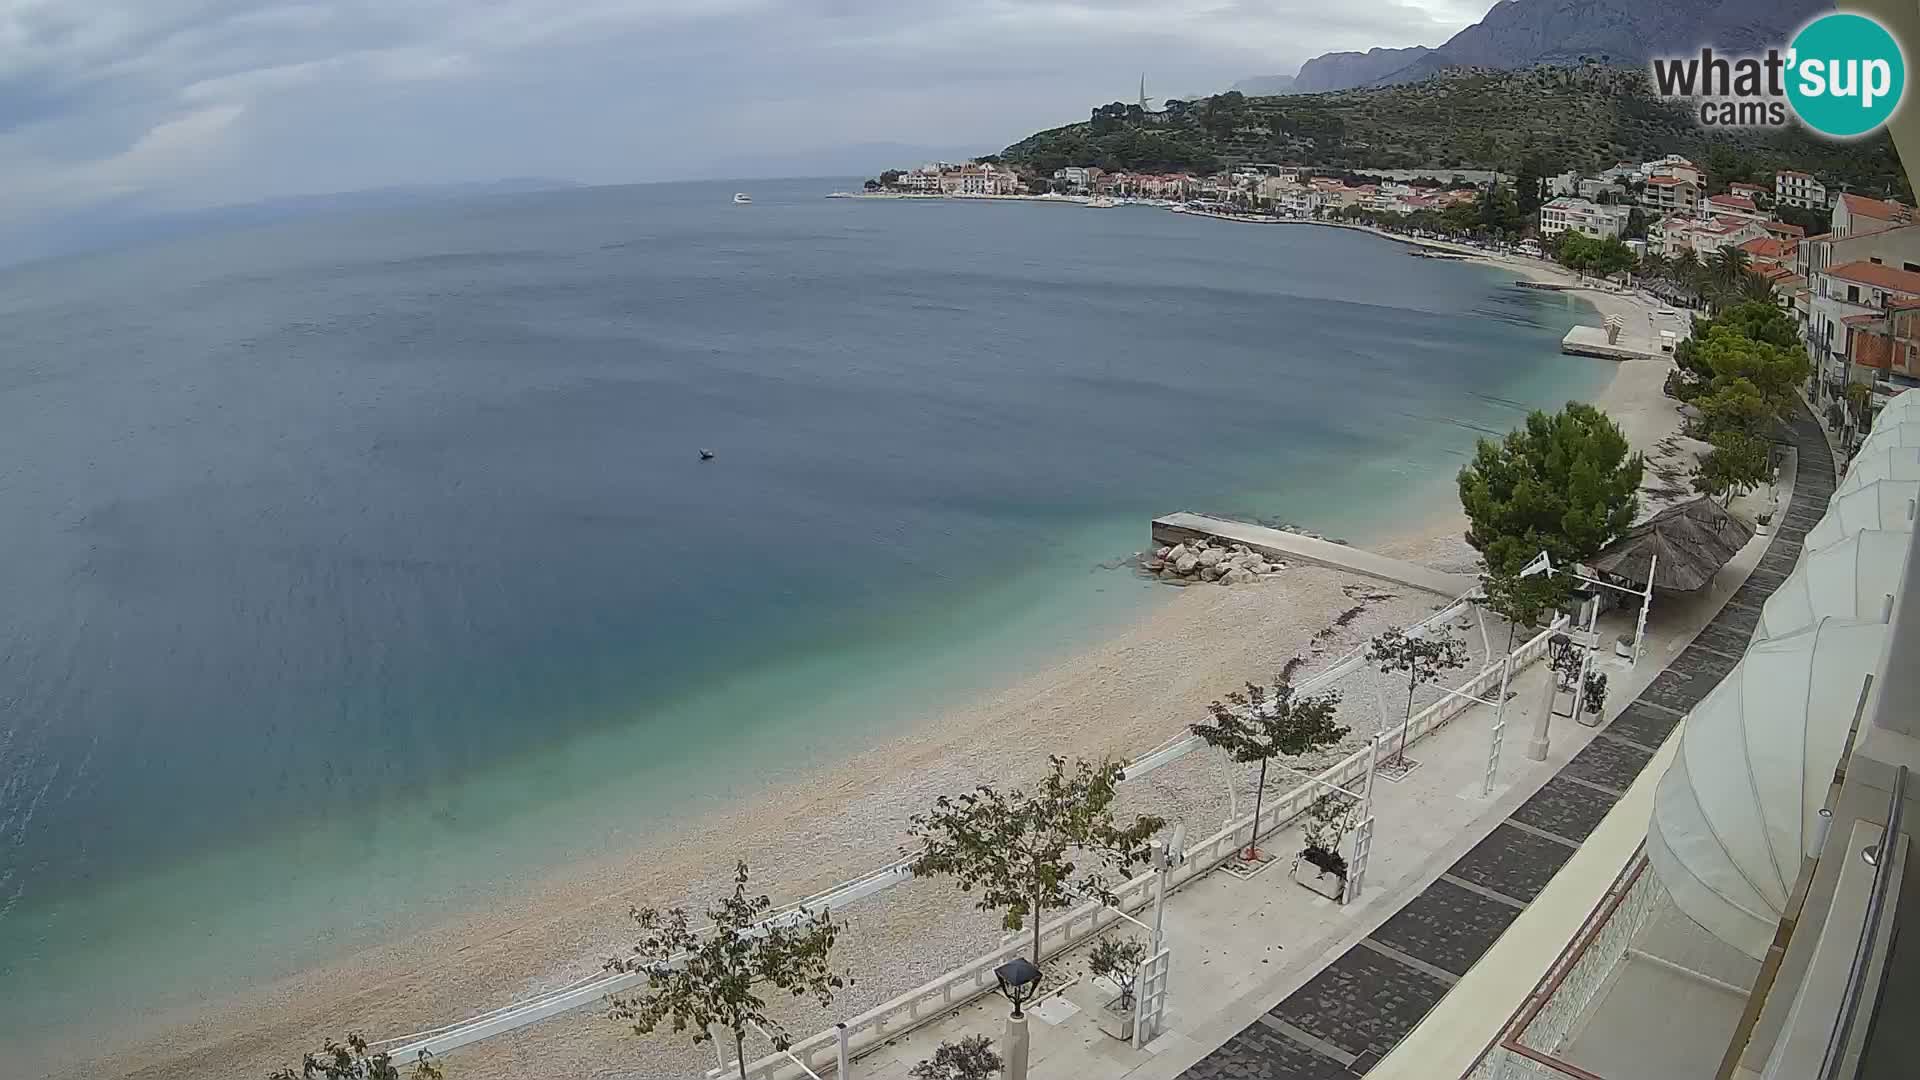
1018	979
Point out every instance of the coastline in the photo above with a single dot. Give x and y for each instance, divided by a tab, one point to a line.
1119	697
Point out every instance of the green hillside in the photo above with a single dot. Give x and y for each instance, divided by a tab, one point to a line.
1585	117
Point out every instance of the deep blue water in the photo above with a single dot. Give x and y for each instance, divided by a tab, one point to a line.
356	566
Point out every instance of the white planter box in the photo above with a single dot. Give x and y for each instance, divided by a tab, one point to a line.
1311	877
1117	1020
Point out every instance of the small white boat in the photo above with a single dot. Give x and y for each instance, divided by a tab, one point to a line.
1102	202
742	197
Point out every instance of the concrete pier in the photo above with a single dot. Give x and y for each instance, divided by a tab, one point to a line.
1293	547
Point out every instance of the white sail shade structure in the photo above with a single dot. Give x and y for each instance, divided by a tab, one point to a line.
1879	504
1889	432
1853	579
1904	408
1884	462
1740	806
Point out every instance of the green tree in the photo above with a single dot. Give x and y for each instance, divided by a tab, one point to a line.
699	978
1521	600
1256	724
1529	186
1019	847
1564	484
972	1058
1423	659
1736	465
351	1061
1636	226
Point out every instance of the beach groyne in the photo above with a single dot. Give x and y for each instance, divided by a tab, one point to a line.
1282	546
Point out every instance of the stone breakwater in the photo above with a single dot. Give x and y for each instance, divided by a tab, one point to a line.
1198	561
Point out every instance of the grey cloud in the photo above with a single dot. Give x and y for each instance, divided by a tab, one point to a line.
187	102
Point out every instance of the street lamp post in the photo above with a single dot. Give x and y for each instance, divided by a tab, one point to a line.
1018	979
1559	646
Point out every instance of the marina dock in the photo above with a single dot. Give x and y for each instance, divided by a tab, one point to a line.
1293	547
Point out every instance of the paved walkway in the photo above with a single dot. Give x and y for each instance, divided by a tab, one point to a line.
1278	543
1353	1012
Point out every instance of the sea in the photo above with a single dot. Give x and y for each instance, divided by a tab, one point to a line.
359	568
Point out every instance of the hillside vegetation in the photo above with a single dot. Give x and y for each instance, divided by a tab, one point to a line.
1584	117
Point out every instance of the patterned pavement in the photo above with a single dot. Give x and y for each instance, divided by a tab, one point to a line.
1357	1009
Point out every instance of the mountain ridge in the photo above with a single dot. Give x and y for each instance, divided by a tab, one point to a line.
1516	34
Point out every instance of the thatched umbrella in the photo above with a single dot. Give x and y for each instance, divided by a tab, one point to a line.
1693	541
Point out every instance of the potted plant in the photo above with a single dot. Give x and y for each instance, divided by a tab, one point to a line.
1594	698
1623	646
972	1058
1118	962
1328	819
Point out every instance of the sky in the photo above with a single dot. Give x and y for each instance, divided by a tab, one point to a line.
177	104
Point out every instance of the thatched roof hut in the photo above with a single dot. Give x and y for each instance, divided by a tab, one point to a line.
1693	540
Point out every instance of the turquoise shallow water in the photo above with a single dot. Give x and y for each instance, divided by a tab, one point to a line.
360	568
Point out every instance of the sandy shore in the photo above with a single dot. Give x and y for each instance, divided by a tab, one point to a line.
1141	685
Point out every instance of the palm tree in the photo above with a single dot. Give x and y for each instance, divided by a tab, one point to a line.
1755	286
1729	265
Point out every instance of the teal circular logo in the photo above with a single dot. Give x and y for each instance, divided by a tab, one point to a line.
1845	75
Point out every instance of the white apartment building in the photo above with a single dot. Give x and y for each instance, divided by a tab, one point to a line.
979	180
1675	167
1733	205
1566	214
1792	188
1078	176
1671	195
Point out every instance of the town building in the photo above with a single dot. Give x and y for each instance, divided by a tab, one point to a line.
1883	351
979	180
1731	205
1855	215
919	180
1750	192
1671	195
1674	167
1078	177
1800	189
1568	214
1838	297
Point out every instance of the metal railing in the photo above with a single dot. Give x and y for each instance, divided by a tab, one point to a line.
936	998
1840	1043
1527	1045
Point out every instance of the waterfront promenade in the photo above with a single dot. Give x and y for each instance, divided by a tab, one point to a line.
1270	980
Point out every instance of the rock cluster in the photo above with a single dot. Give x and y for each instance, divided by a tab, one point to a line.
1200	560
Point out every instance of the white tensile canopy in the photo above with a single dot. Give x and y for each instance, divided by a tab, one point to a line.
1904	407
1885	462
1740	805
1890	431
1848	580
1878	504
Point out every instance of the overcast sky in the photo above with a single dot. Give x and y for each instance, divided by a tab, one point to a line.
181	103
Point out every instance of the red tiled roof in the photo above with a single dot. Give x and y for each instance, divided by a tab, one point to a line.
1767	247
1665	181
1794	173
1905	302
1785	229
1737	202
1880	277
1874	208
